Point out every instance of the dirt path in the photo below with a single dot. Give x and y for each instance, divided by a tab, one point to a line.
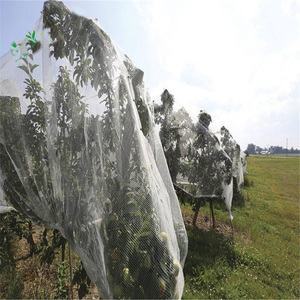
204	223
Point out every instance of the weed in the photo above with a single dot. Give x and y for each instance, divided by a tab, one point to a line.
40	290
11	283
248	182
61	283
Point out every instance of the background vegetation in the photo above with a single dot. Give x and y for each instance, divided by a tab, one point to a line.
254	149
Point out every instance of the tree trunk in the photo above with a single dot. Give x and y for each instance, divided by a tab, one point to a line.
31	241
196	213
63	249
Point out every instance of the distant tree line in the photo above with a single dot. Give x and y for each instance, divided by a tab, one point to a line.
253	149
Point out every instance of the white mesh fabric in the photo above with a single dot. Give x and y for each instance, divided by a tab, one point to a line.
244	162
79	153
206	170
4	206
233	149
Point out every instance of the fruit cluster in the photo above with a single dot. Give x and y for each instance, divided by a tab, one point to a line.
139	263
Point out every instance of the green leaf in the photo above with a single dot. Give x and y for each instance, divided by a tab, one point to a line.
32	67
143	234
33	34
130	208
31	56
24	68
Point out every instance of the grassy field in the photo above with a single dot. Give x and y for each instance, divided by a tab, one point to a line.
260	260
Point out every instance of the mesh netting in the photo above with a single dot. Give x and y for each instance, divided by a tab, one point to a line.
205	168
4	206
233	149
79	153
244	162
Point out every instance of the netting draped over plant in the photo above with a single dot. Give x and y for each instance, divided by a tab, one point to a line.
233	149
79	153
4	206
244	162
197	163
206	168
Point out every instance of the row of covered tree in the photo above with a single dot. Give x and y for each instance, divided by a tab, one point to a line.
203	164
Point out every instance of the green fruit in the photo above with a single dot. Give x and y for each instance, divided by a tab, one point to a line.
136	275
113	217
164	237
109	278
161	286
176	266
126	275
118	292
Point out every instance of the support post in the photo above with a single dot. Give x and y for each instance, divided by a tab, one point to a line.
63	248
71	273
196	213
31	241
212	212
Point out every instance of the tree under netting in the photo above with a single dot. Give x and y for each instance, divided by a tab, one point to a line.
244	162
233	149
79	153
199	165
4	206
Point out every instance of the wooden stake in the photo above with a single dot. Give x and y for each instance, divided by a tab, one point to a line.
31	241
196	213
63	247
71	273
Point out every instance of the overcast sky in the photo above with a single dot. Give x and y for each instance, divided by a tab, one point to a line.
238	60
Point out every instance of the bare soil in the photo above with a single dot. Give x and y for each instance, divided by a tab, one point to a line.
40	279
204	223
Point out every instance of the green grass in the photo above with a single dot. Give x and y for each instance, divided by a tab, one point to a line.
292	155
262	261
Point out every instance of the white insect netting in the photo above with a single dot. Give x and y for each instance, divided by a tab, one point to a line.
79	153
4	206
233	149
244	162
206	170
